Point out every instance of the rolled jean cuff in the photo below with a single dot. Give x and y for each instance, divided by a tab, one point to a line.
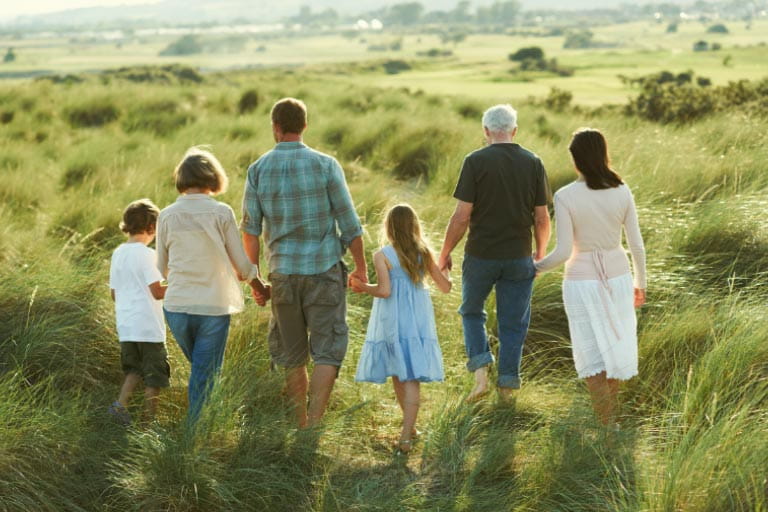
480	360
508	381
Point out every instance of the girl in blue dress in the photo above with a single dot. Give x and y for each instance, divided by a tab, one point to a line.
401	341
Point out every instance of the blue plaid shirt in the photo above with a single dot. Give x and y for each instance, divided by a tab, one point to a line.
301	198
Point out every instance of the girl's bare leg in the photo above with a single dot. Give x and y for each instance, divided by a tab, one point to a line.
411	401
605	393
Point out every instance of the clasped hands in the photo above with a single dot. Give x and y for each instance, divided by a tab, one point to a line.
261	292
357	280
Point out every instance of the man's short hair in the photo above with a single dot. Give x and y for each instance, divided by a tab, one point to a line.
290	115
200	169
140	217
500	119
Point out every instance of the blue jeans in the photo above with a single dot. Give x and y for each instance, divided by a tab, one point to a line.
203	339
513	279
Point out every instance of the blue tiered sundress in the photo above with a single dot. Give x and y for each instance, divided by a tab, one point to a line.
401	340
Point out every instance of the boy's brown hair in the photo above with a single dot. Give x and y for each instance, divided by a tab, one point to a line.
290	115
140	217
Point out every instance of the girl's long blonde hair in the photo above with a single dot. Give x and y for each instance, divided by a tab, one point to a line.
403	231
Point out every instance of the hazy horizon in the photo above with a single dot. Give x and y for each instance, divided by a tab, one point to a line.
35	8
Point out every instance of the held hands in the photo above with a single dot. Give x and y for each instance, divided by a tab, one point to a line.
355	284
445	263
261	296
360	275
639	297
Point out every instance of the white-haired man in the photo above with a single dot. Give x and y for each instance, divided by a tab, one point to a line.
502	194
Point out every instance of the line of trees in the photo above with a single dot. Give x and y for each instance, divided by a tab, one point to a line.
501	12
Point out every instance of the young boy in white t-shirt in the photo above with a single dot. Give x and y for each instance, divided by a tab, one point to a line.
136	289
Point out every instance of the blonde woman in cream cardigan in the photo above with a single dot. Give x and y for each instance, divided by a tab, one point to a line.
599	291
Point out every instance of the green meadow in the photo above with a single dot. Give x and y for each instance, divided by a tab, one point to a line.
478	66
694	422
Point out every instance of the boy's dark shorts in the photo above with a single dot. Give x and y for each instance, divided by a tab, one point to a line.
150	360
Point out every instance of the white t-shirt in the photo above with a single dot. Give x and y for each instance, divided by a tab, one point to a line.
139	315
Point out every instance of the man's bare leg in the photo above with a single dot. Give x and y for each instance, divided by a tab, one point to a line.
320	387
481	385
296	388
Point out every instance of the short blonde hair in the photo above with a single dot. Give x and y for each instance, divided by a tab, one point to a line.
200	169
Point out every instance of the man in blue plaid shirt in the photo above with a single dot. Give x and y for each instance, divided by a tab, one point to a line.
297	199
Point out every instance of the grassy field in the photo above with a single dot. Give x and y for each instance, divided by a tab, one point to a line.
479	66
695	422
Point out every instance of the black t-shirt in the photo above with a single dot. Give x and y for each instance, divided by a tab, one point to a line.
503	182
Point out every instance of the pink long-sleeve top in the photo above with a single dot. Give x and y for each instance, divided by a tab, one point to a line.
589	224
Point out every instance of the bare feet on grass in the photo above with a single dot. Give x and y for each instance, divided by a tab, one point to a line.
404	446
507	395
481	385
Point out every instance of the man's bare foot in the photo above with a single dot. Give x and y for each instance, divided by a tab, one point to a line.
507	395
481	385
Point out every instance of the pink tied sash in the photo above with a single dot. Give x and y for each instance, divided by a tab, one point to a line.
598	258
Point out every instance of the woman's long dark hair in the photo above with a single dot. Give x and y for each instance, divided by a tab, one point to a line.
590	154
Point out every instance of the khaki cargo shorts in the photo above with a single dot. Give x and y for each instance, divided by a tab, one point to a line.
309	318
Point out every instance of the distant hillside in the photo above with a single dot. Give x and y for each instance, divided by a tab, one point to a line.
195	11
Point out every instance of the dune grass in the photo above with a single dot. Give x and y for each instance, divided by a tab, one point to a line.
694	431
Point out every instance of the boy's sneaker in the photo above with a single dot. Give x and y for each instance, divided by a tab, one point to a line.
119	413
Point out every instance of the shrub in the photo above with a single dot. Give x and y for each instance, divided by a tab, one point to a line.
334	135
550	66
186	73
668	103
436	52
671	28
668	98
249	100
469	110
241	133
415	157
93	113
6	116
578	39
531	52
156	74
392	67
76	173
558	99
545	130
718	28
700	46
185	45
161	117
533	64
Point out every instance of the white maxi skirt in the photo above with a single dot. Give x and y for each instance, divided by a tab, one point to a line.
603	326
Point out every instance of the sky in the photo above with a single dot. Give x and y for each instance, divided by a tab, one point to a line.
11	8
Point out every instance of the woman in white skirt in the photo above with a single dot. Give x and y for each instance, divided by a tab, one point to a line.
599	292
